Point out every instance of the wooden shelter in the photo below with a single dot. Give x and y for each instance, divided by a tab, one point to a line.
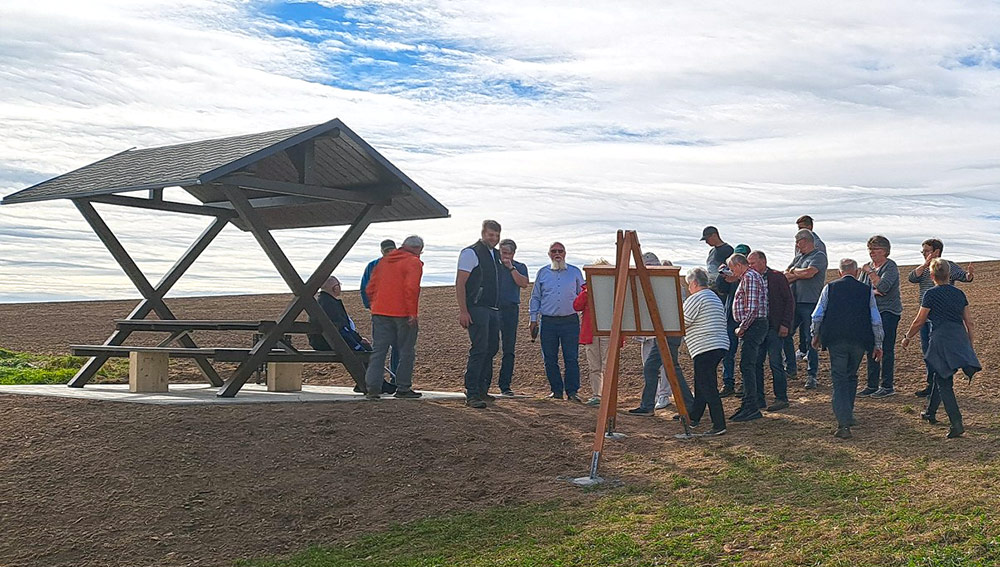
311	176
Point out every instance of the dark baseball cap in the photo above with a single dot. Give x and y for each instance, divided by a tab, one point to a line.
708	231
387	244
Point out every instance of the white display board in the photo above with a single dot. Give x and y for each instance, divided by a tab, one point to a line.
666	284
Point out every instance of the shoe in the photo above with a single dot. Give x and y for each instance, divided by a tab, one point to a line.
749	415
389	387
867	391
799	355
883	393
712	432
372	396
929	418
574	398
641	412
662	402
811	383
791	375
726	392
778	405
843	432
956	430
554	396
407	394
922	393
487	397
475	403
358	390
739	391
738	413
595	401
507	393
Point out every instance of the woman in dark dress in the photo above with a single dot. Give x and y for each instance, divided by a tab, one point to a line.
950	346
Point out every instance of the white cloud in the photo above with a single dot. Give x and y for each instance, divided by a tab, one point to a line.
567	119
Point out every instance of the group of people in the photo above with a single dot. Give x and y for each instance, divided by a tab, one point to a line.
735	305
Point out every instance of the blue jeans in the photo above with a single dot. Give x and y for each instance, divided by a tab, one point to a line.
651	377
729	360
788	349
845	358
565	332
509	314
885	369
398	332
484	336
803	319
749	347
772	350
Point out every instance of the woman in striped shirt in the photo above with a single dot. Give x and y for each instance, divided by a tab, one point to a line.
708	341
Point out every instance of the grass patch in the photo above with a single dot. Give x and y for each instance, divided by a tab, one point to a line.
757	511
27	368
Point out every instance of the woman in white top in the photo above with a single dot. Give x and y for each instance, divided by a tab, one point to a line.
708	342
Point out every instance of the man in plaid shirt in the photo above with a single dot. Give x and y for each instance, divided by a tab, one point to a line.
750	311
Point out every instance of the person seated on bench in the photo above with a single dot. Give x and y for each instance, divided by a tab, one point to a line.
329	299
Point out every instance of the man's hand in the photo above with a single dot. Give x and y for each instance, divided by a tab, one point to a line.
816	344
533	327
972	274
790	275
782	331
412	320
740	331
507	262
877	355
464	319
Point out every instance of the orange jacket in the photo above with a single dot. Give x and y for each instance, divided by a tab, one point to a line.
394	289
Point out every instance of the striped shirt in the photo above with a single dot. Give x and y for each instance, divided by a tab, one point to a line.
750	301
705	321
926	282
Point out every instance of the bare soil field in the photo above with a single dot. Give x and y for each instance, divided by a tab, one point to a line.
101	483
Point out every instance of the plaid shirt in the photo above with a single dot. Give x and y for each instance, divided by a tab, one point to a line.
750	301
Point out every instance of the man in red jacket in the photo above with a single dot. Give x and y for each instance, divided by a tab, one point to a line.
781	310
394	291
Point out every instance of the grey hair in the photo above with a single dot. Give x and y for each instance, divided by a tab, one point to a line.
848	265
739	259
650	259
414	241
667	263
508	243
699	276
804	234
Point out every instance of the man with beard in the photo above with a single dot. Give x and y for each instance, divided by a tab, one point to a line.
477	289
551	307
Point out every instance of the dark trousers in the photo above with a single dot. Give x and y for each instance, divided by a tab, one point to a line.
943	391
484	336
651	377
729	361
749	348
398	332
706	388
845	358
393	356
887	368
925	340
772	349
788	349
509	313
564	332
803	318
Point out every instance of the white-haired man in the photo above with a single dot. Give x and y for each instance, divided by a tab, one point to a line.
551	307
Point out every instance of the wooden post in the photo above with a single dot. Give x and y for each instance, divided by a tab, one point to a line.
148	372
284	376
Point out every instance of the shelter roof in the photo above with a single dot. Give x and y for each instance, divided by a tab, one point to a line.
321	175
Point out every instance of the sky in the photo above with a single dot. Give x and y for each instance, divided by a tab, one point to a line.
563	120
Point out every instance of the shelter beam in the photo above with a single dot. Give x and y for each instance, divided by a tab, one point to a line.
363	196
161	205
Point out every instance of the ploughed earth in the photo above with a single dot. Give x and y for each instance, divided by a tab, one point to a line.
102	483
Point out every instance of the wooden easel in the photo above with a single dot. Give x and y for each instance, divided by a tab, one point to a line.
628	249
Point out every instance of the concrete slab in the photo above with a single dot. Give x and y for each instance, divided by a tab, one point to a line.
204	394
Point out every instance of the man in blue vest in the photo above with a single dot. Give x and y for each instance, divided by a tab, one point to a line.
847	323
477	289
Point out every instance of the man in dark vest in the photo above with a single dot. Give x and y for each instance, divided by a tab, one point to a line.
846	322
477	289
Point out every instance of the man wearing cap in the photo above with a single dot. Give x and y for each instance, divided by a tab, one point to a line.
477	290
513	278
717	257
807	275
387	245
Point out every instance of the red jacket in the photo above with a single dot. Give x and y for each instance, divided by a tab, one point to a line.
394	289
586	324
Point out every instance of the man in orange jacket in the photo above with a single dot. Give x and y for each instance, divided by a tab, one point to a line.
394	291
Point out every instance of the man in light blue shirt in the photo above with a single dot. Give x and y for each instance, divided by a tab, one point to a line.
551	305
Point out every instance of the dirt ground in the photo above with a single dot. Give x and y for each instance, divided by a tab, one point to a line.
101	483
